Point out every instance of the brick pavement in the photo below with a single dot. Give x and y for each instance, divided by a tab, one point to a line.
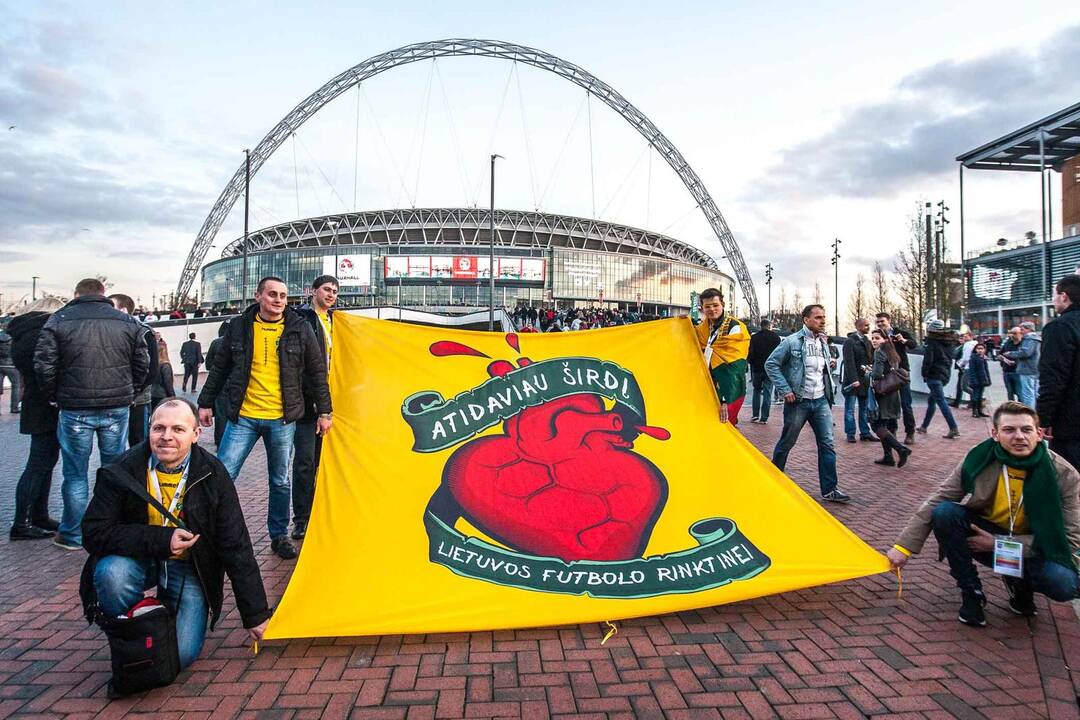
848	650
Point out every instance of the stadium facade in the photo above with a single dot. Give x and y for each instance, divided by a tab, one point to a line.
438	258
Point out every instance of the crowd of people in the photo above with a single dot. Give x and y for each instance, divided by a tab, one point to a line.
164	511
528	318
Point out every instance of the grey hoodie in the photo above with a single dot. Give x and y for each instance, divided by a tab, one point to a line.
1027	355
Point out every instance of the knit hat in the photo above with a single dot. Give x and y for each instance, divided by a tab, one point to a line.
935	325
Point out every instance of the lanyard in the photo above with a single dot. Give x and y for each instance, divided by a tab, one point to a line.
1008	491
155	487
712	338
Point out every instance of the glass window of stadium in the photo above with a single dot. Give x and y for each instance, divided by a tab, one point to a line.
1012	318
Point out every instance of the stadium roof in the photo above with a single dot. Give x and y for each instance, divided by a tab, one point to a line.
1019	150
467	227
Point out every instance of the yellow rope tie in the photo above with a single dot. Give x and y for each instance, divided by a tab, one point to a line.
255	648
899	583
613	629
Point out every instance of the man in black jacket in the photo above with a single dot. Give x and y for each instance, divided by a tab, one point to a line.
90	361
902	342
762	343
138	417
855	382
219	405
268	356
308	441
1059	373
191	356
939	348
134	548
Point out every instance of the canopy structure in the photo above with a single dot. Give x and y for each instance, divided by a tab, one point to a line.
1040	146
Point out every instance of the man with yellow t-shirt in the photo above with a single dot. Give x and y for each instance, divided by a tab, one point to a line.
268	368
308	442
133	547
725	343
1012	504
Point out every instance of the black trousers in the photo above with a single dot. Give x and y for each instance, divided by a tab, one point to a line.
32	490
191	370
1068	449
307	449
137	424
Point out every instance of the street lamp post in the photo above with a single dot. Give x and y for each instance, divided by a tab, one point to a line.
33	286
247	192
491	249
768	286
836	283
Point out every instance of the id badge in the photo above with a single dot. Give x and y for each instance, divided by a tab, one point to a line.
1008	557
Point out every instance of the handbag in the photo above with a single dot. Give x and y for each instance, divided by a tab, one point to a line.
142	643
891	382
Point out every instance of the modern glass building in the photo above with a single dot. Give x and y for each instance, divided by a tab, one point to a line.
1005	287
440	258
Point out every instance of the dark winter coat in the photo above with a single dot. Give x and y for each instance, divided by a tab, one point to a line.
978	371
857	352
938	356
1008	346
762	343
191	353
117	523
309	313
300	361
37	415
5	348
163	386
91	356
1059	376
888	405
903	347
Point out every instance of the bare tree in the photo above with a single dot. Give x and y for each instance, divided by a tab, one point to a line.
880	288
857	303
911	272
817	292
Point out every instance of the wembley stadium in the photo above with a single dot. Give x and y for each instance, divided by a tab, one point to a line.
438	259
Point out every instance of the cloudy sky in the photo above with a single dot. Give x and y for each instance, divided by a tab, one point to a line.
128	119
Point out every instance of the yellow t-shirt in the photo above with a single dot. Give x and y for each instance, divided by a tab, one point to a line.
324	319
999	511
169	483
262	401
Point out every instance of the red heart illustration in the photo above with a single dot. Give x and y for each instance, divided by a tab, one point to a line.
562	481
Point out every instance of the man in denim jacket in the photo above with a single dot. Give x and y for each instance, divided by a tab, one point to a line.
799	368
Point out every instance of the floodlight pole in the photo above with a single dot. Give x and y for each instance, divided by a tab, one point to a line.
1045	249
768	285
33	290
836	283
491	249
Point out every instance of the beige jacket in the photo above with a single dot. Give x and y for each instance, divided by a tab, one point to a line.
982	499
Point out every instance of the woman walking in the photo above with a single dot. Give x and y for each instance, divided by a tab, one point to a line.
936	371
163	383
886	364
979	374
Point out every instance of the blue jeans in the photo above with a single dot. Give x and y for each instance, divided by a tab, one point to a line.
1029	389
1012	385
850	401
236	444
818	414
120	582
952	521
761	402
905	405
937	400
75	431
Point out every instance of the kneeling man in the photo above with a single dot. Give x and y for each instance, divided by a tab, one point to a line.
1013	505
133	548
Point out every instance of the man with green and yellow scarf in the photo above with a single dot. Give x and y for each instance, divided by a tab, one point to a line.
725	343
1008	487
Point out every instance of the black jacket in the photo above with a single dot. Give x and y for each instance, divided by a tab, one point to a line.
117	523
857	353
300	361
37	415
91	356
191	353
312	317
5	348
903	347
1058	404
163	386
938	356
978	371
762	343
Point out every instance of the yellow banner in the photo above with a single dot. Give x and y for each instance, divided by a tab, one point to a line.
480	481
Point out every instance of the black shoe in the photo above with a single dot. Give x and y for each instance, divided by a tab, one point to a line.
868	438
851	438
920	430
46	523
283	548
1021	597
971	608
982	415
909	439
953	434
904	455
885	461
836	496
28	532
299	530
69	545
